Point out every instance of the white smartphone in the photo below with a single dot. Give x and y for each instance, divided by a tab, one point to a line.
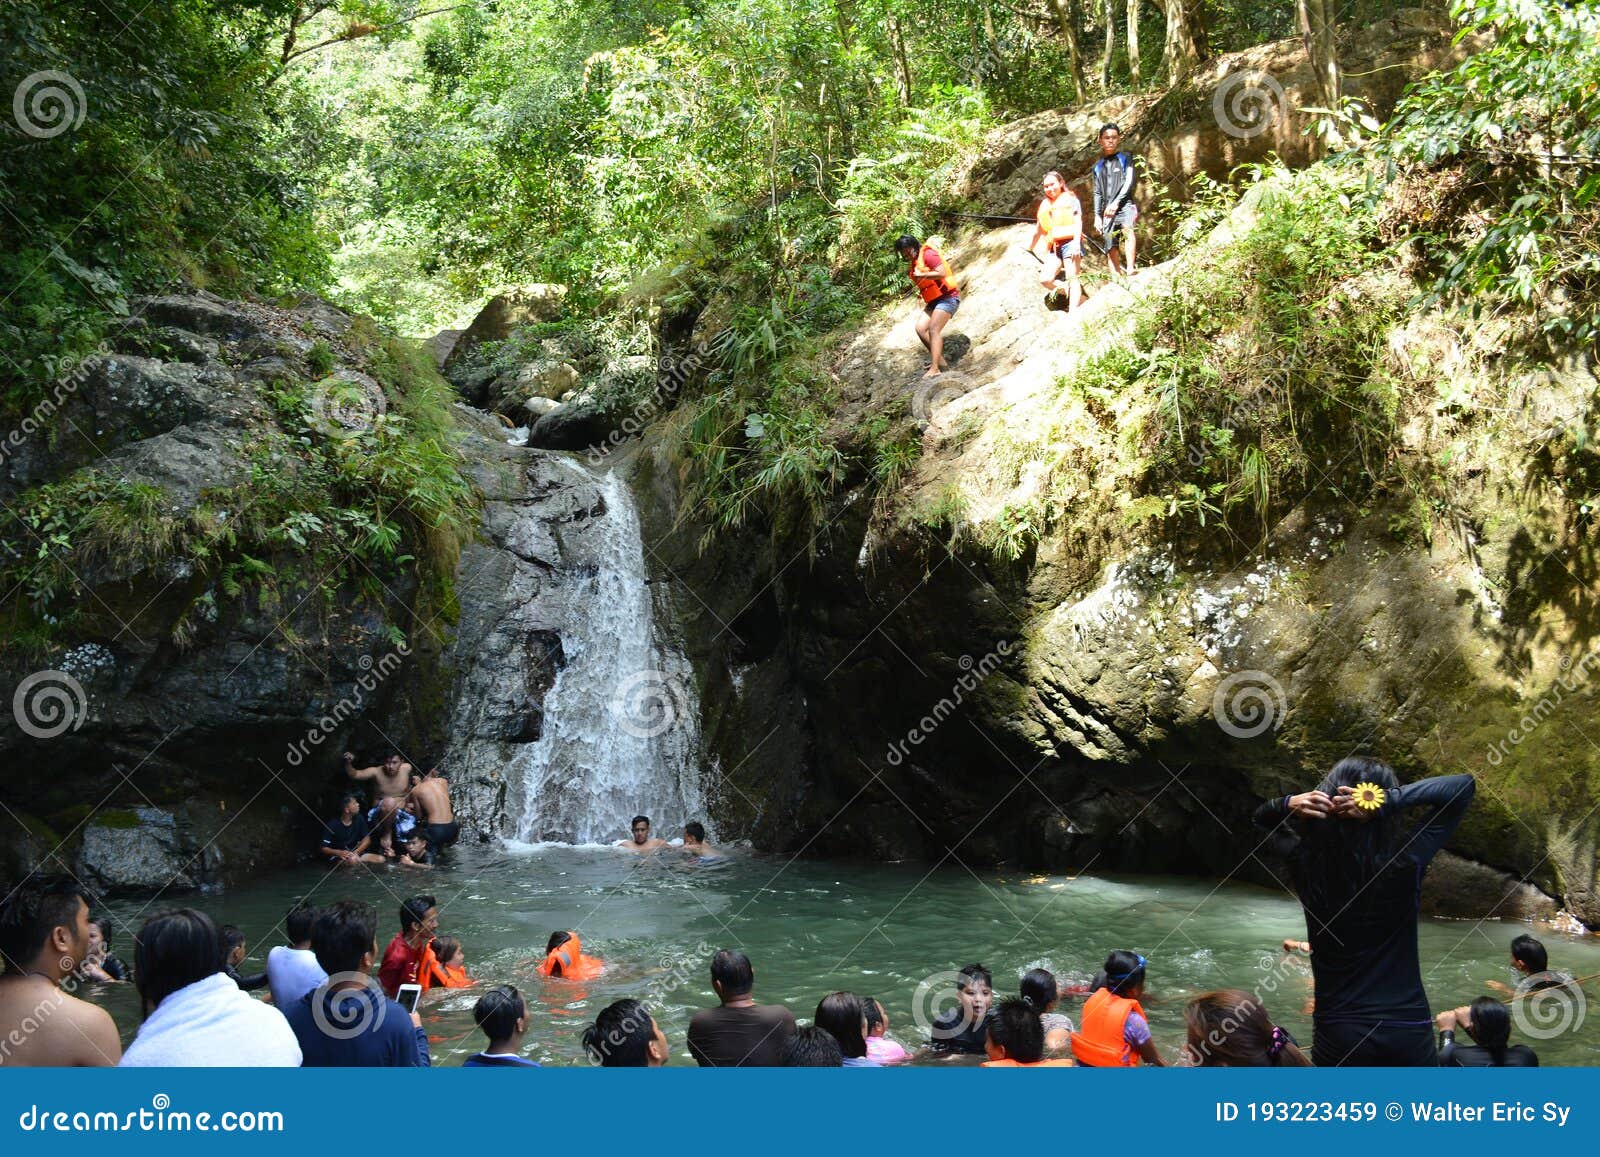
408	996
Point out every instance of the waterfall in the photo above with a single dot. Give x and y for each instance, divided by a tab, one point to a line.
619	734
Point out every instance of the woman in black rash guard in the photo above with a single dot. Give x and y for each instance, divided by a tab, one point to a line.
1359	871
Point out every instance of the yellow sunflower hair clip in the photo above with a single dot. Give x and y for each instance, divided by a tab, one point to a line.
1369	796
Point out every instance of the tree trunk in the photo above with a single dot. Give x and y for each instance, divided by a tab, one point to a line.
1133	42
1317	29
1066	20
1180	53
897	41
1109	18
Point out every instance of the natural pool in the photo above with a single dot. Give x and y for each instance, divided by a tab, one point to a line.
814	926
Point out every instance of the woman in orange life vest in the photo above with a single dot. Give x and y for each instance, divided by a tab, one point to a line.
564	958
443	965
1061	228
1016	1038
1114	1031
941	296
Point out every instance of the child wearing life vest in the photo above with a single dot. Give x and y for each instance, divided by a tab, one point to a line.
1114	1032
941	296
1060	226
443	965
1016	1038
564	959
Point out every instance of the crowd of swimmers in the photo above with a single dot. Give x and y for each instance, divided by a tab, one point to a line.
333	998
409	820
1059	228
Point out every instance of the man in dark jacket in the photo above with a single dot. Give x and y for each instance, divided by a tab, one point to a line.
347	1021
1114	208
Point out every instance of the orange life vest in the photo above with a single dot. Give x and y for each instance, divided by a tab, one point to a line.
931	288
1101	1043
430	972
573	964
1008	1063
1061	219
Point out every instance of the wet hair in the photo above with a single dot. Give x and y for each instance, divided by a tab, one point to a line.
1109	127
731	969
498	1011
696	829
812	1048
172	951
414	911
1491	1026
231	938
1532	954
620	1036
637	820
35	909
1015	1026
557	939
344	932
1123	972
1230	1028
841	1015
1335	861
1039	989
872	1009
347	797
445	948
297	924
974	972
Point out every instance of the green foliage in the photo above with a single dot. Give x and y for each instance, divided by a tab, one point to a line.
349	506
1514	128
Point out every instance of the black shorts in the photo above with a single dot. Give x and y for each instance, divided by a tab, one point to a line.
439	836
1385	1042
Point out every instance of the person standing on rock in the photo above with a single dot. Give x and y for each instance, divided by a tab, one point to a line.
941	296
1060	226
1114	209
1358	873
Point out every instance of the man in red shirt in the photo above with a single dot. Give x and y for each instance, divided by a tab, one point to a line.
419	920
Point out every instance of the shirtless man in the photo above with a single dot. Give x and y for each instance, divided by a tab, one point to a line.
694	842
436	823
641	841
390	780
44	935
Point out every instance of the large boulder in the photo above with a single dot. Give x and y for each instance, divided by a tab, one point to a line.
505	313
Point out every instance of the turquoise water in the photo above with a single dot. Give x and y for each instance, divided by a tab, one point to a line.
811	927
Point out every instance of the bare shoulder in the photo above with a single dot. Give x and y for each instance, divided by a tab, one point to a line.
101	1043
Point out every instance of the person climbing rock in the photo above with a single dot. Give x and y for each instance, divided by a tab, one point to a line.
941	296
1061	228
1114	208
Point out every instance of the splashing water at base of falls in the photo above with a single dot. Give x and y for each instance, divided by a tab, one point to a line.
620	718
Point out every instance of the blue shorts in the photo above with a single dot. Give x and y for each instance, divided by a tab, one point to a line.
1066	249
949	303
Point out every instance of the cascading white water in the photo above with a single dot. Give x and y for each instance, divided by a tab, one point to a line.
619	734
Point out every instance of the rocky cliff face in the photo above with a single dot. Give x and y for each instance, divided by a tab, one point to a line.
945	670
184	728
